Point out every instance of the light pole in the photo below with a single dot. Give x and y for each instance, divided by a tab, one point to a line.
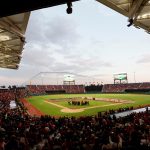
134	78
42	80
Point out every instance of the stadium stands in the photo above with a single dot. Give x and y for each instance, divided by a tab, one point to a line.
19	131
42	89
117	88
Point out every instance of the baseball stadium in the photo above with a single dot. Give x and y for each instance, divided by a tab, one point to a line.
66	95
63	110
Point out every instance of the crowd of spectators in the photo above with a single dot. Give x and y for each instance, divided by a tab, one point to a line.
41	89
20	131
122	87
123	109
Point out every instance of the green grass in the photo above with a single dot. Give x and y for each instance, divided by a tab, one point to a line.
92	103
38	102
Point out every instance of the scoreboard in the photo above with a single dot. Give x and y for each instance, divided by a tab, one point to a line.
121	77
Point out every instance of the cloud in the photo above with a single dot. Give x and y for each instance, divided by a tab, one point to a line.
62	31
55	43
59	30
144	59
14	81
54	46
49	41
90	61
37	56
79	65
36	27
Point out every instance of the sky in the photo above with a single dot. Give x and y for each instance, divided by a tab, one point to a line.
93	41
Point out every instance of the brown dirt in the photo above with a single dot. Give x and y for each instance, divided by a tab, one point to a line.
33	111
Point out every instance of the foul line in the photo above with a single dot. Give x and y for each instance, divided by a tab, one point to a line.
60	106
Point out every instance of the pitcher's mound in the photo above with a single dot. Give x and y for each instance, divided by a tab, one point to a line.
67	110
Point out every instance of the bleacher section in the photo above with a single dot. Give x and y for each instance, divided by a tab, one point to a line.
7	95
11	94
43	89
117	88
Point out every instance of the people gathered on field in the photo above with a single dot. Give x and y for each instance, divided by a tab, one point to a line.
20	131
78	103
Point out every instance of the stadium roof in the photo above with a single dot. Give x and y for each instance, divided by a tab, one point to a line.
12	39
13	22
11	7
138	11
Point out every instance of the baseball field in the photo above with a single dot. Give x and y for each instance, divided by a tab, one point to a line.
83	104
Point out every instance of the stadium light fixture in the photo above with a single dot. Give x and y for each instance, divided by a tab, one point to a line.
4	38
130	22
69	9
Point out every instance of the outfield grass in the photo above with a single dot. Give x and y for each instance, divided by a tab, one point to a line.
38	102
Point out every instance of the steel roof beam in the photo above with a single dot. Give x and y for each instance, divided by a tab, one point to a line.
135	8
11	7
10	28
